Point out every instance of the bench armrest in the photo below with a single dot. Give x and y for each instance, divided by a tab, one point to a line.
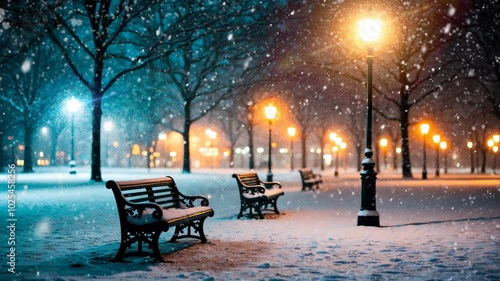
189	201
271	184
136	209
253	189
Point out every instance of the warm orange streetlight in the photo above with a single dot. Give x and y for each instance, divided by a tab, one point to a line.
495	150
370	30
383	143
437	139
332	136
496	138
490	143
470	145
424	129
343	146
443	146
291	133
270	112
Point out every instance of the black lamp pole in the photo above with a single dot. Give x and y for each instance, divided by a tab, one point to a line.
291	153
368	215
269	159
424	169
72	137
437	159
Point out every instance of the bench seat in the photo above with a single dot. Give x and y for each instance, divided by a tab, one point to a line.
171	216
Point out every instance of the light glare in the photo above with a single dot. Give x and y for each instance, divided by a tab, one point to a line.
370	29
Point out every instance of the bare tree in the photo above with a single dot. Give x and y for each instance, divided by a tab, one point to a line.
480	50
411	67
102	41
23	90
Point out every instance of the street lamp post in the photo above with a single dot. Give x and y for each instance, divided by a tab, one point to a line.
470	145
495	150
73	106
291	133
424	128
336	170
108	125
343	146
383	143
496	139
270	112
437	139
443	146
336	148
370	30
333	137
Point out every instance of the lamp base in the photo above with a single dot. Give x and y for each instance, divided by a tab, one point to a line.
368	218
269	176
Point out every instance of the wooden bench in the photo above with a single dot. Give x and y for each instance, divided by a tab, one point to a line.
257	195
310	179
151	206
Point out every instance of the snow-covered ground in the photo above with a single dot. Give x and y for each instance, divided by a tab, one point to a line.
435	229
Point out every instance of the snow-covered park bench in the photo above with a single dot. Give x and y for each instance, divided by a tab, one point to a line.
257	195
151	206
310	179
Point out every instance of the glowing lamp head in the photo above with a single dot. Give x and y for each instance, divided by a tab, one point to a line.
338	141
370	29
490	143
424	128
436	138
383	142
291	131
73	105
443	145
496	138
470	144
108	126
333	136
495	149
270	112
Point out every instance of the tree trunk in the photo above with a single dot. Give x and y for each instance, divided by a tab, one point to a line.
53	146
322	145
186	161
28	139
484	152
95	169
405	144
231	155
303	139
251	158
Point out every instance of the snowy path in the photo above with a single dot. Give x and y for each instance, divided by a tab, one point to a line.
445	228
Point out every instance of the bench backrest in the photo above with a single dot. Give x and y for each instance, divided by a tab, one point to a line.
306	174
162	191
247	179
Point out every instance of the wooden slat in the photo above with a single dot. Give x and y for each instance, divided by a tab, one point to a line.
139	200
157	197
132	194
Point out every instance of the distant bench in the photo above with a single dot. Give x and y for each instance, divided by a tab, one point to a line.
310	179
151	206
256	194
